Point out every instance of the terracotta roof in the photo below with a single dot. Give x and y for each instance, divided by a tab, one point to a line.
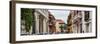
60	21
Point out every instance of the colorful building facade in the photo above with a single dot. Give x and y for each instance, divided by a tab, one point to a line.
79	21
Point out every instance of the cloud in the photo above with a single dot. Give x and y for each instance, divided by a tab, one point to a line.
60	14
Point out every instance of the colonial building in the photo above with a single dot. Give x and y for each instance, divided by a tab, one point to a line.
60	26
87	21
39	22
69	23
79	21
52	23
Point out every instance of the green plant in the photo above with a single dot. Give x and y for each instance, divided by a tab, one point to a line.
26	15
61	27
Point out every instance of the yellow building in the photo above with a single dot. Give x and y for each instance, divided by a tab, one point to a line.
79	22
52	27
69	22
59	23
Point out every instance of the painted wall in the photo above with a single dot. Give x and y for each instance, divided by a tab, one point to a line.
4	23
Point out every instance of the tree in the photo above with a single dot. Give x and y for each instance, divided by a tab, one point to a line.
26	15
61	27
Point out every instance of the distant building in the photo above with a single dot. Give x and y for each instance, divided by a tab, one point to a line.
60	25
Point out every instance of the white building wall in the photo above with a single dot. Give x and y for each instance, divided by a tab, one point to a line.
45	13
57	27
76	29
90	27
31	30
45	20
44	26
83	23
36	23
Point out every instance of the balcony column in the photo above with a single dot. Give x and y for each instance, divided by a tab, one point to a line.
37	23
83	22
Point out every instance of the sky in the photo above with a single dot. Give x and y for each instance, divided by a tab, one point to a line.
60	14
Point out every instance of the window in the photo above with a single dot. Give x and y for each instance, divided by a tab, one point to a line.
87	27
86	15
81	28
